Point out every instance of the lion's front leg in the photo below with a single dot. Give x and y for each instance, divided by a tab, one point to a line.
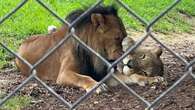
135	79
68	77
144	80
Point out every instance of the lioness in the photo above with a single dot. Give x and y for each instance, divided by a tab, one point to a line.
142	66
71	64
143	59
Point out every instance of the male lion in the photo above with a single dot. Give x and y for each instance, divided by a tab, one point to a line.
71	64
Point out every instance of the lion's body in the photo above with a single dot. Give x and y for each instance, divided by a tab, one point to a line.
34	48
102	30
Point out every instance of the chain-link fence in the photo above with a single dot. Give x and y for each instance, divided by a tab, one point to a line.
71	34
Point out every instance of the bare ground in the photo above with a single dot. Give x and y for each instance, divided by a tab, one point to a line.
182	98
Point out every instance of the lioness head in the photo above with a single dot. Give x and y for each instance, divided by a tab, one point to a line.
143	60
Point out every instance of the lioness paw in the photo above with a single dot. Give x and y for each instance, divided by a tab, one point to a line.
152	80
158	79
142	83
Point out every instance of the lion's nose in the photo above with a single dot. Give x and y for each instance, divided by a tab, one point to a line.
130	64
121	53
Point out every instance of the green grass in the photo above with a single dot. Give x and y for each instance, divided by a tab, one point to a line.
5	56
16	103
172	22
33	19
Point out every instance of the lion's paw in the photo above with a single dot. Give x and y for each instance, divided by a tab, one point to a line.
142	83
102	88
158	79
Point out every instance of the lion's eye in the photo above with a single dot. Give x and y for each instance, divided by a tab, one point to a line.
142	56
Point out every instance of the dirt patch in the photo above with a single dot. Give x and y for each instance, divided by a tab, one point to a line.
183	98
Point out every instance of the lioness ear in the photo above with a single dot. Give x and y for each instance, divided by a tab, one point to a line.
98	21
127	42
158	51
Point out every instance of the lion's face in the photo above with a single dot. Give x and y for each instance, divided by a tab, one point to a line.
145	61
110	32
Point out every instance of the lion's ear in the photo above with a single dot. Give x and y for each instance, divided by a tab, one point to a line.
158	51
98	21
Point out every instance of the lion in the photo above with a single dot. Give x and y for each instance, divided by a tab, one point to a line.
71	64
144	59
142	66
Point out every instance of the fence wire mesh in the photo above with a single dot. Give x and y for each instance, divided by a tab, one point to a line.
71	34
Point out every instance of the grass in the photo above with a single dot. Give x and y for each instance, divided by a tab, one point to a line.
16	103
172	22
34	19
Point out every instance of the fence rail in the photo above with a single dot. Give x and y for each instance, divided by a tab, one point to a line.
148	33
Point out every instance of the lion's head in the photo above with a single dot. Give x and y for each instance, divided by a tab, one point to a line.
143	60
103	31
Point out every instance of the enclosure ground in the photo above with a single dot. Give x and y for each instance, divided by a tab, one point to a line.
182	98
